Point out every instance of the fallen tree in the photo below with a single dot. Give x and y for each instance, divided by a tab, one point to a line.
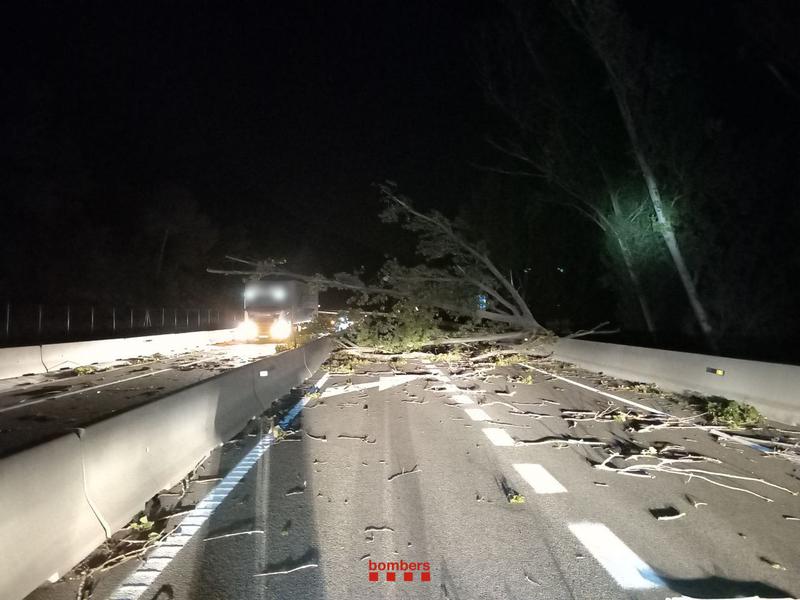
456	289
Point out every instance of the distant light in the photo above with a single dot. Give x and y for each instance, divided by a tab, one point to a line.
560	269
279	293
250	293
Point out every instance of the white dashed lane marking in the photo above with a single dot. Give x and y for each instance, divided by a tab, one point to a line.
540	479
477	414
627	569
498	437
462	399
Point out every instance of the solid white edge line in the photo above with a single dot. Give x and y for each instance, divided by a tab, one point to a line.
601	392
539	479
622	563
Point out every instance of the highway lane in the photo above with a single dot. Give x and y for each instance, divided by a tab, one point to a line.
424	471
39	407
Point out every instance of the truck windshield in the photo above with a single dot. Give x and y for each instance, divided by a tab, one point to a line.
266	296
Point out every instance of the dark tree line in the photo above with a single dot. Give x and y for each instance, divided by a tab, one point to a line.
682	159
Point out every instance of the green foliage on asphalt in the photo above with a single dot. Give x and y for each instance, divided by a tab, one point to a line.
507	360
343	363
84	370
721	411
526	379
143	524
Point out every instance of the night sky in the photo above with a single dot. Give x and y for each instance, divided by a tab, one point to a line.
277	116
141	143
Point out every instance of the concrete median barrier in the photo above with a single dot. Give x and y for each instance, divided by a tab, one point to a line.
46	524
20	361
131	456
23	360
773	388
288	369
60	499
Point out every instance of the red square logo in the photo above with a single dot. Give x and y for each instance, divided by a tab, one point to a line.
373	576
425	576
390	576
408	576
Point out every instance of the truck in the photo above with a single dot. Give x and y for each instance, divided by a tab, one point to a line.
276	308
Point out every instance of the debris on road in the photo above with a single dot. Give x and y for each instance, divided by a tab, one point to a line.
287	571
668	513
235	534
296	490
404	472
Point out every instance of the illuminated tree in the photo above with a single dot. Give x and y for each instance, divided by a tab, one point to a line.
558	138
625	57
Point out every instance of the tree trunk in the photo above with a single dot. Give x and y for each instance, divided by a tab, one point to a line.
627	258
667	232
644	305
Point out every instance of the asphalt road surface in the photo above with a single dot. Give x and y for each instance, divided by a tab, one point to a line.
480	477
35	408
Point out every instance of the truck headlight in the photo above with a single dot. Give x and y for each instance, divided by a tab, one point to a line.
280	329
246	330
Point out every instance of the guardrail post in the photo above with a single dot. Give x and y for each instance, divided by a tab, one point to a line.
131	318
91	324
162	317
67	319
39	322
113	318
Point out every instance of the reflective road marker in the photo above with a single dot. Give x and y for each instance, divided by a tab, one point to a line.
627	569
540	479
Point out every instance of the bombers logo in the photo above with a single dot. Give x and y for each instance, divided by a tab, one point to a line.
411	571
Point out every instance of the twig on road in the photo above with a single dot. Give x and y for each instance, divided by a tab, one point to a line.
404	472
287	571
665	465
559	440
237	533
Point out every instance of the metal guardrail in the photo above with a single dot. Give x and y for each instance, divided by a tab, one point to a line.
61	499
23	324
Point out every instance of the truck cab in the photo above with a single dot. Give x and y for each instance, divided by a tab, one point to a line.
274	308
